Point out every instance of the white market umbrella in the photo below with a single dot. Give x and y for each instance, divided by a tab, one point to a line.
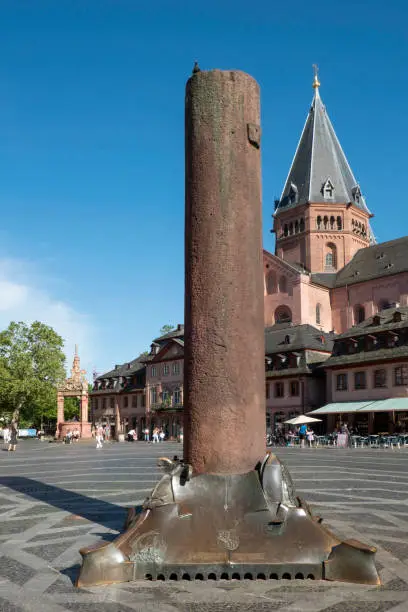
302	420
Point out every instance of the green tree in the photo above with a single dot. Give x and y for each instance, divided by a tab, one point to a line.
71	408
31	366
166	329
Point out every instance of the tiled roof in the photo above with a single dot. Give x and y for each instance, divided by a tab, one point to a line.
285	337
319	158
384	259
124	369
384	354
175	333
324	279
386	322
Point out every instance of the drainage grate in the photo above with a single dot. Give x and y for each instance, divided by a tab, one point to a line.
227	576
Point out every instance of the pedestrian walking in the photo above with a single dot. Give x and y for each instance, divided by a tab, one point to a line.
162	435
147	435
302	435
310	437
155	435
6	435
13	438
99	436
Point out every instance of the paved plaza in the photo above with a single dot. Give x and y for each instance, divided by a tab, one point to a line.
55	499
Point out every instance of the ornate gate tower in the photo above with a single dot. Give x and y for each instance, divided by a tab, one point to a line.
74	386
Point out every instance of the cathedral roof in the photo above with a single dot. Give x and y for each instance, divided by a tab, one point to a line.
320	172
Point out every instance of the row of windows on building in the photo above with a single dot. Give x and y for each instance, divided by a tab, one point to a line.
272	286
279	389
165	370
166	396
294	227
387	339
109	402
358	227
400	378
329	223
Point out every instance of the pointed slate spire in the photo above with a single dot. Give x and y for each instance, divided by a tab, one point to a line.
320	171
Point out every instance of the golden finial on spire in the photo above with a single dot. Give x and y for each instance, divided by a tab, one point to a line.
316	82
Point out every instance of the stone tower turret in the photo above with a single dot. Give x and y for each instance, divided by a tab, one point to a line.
321	218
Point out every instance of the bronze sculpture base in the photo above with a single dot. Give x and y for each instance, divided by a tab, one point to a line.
214	526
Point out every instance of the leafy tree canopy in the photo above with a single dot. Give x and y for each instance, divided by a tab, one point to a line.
31	366
166	329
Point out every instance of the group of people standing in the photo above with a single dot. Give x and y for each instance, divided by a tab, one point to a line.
10	435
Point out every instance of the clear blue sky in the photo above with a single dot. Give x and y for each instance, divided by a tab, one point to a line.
92	143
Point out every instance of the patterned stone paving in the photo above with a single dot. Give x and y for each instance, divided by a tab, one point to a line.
55	499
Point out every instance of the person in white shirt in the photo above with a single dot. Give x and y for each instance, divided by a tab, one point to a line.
99	436
6	435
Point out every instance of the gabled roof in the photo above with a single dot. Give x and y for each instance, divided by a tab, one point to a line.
164	349
285	337
385	320
384	259
178	332
124	369
320	171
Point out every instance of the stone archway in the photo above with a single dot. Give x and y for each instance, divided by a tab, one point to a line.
74	386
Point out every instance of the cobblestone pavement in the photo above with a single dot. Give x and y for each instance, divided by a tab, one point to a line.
55	499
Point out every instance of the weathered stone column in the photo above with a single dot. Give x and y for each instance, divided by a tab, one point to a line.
224	374
84	408
60	412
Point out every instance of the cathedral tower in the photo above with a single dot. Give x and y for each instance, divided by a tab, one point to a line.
321	219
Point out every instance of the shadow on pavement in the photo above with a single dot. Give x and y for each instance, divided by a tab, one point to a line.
96	510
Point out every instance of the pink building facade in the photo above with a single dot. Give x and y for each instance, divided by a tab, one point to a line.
164	384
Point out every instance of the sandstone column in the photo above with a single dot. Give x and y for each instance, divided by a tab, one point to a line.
224	375
60	412
84	408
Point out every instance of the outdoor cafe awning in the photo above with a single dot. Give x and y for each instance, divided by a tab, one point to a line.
388	405
340	407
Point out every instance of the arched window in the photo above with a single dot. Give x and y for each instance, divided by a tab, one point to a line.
325	222
331	257
283	314
332	222
290	229
271	283
302	225
319	222
286	229
283	285
339	223
318	313
359	314
296	227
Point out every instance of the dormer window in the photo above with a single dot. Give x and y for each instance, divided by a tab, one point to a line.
376	320
397	317
356	193
293	194
328	189
287	339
